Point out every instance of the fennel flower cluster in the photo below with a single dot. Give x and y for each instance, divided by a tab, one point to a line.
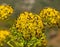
30	26
50	16
5	11
3	34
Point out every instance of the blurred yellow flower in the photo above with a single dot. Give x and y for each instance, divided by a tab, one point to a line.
29	24
30	27
50	16
3	34
5	11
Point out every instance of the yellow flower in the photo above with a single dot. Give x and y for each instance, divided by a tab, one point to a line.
5	11
30	27
50	16
29	24
3	34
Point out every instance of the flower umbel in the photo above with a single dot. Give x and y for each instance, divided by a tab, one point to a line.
3	34
30	26
50	16
5	11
